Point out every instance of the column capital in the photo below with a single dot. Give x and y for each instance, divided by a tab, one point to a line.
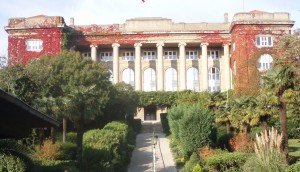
138	44
204	44
181	44
93	45
115	45
160	44
225	44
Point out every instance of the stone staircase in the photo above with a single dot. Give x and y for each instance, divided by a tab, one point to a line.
151	126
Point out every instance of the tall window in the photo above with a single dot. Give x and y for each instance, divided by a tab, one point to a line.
128	76
170	55
264	41
171	80
214	83
264	62
106	56
149	80
192	79
110	75
34	45
128	56
149	55
213	54
191	55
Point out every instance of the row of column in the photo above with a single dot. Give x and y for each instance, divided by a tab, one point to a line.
160	66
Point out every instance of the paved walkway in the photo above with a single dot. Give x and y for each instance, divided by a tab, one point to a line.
142	157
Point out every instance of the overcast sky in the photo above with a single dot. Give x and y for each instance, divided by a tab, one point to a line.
117	11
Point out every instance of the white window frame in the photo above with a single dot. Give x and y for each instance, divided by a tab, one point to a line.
191	55
170	55
128	56
106	56
214	83
34	45
86	55
192	79
264	41
171	81
149	79
264	62
149	55
213	54
128	76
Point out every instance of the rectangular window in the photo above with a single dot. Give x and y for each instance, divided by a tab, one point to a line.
106	56
86	55
34	45
170	55
264	41
191	55
149	55
128	56
213	54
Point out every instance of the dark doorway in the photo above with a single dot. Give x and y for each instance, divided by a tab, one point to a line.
150	113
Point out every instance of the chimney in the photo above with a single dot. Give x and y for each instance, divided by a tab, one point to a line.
225	17
72	21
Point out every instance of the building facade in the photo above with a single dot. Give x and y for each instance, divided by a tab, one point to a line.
156	54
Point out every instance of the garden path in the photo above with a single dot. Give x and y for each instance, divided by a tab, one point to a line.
142	157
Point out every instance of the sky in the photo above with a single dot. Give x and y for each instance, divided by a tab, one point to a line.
86	12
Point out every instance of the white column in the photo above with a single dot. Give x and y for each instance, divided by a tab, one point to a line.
137	67
226	67
182	69
160	67
115	62
94	52
204	83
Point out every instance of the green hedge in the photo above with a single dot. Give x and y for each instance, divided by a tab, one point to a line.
164	123
294	167
226	161
109	148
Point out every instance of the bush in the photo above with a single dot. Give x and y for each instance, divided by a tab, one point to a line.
68	151
223	138
10	162
293	126
294	167
195	129
136	125
191	163
226	161
175	114
71	137
241	142
109	148
49	151
56	165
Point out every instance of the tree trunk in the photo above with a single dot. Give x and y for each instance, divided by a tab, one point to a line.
64	130
53	135
264	122
283	126
228	127
41	136
79	140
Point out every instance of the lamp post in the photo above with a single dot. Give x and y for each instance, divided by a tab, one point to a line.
154	142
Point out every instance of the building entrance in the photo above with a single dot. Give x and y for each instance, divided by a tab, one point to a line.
150	113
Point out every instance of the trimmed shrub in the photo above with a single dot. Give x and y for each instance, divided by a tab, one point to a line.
71	137
48	151
56	165
68	151
191	163
109	148
175	114
241	142
195	129
227	161
294	167
10	162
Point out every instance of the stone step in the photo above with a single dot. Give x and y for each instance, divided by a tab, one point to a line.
152	126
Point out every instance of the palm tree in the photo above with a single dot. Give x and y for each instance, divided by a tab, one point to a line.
279	80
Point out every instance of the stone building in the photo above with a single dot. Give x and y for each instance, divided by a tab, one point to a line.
156	54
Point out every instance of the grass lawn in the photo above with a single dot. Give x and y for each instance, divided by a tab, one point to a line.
294	147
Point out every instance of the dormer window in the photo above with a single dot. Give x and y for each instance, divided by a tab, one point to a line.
264	41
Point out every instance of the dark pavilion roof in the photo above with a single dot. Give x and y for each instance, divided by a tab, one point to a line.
18	118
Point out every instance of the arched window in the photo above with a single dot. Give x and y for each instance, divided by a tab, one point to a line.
110	75
214	79
128	76
265	62
171	80
192	79
149	80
